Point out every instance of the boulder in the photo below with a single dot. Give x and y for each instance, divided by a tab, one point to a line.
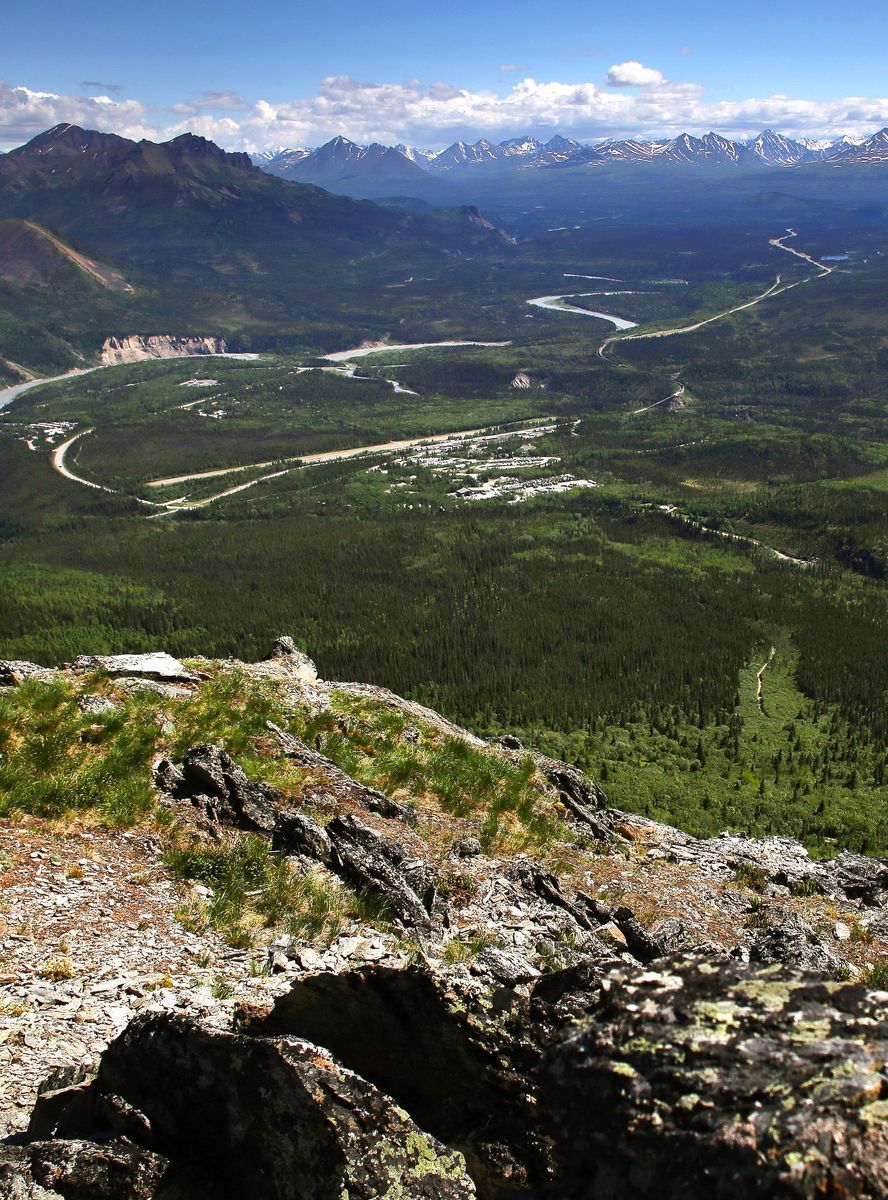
285	658
273	1118
697	1079
158	665
80	1170
793	941
460	1057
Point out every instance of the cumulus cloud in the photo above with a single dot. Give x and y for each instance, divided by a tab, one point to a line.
24	113
513	67
633	74
632	100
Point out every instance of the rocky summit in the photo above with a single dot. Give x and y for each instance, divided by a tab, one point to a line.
269	936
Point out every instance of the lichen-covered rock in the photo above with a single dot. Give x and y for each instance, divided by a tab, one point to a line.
461	1058
698	1079
80	1170
794	942
274	1118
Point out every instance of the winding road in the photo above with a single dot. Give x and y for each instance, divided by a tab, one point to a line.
555	303
777	288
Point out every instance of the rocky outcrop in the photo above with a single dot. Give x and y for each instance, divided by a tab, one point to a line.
781	861
685	1079
212	783
14	671
462	1060
233	1116
116	350
696	1080
499	1013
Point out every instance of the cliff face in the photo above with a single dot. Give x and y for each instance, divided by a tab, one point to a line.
348	948
137	348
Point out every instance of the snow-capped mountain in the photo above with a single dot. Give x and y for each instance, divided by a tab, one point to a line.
513	152
340	159
710	150
558	149
627	150
277	162
873	150
462	154
777	150
422	158
520	147
815	145
382	169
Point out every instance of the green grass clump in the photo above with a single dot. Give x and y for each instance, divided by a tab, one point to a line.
230	709
876	977
253	888
749	875
57	759
368	741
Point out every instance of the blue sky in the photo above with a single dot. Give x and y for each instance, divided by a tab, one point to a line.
294	73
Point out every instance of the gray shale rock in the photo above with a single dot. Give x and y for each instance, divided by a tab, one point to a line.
794	942
695	1080
370	862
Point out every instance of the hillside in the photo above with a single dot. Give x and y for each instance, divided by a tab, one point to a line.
188	205
325	942
206	243
34	257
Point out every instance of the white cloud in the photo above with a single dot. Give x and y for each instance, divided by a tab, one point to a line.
24	113
438	113
633	74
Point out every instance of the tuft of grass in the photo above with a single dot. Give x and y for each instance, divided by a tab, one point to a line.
749	875
254	888
56	760
804	887
876	978
230	709
221	988
367	740
466	950
58	969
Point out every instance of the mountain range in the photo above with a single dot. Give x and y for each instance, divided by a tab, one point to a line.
340	159
100	235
